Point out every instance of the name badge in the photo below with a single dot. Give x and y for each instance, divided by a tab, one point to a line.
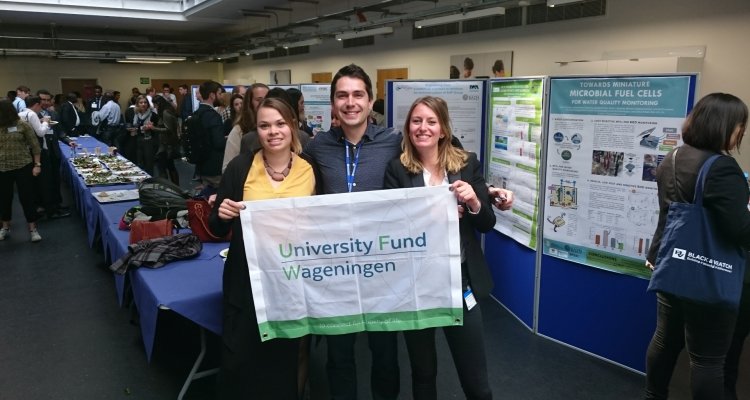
13	129
94	105
469	299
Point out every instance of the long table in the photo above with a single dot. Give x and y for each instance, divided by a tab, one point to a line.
191	288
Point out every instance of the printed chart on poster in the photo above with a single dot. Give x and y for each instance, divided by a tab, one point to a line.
317	106
465	100
513	148
606	137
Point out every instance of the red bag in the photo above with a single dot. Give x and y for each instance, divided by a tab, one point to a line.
143	230
198	212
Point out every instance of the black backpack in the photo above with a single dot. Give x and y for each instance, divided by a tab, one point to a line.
158	193
195	143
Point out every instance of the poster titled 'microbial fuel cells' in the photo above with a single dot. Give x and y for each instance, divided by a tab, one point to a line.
606	138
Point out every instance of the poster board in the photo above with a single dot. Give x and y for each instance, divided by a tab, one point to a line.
317	106
606	137
514	143
466	105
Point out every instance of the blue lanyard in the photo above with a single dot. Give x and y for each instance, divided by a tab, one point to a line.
351	170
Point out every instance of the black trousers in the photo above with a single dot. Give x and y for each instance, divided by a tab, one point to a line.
466	344
146	152
741	330
342	369
251	369
22	178
706	331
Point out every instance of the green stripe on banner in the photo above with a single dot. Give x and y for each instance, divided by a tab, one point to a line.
395	321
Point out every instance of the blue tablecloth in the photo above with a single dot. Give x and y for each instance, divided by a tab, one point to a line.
191	288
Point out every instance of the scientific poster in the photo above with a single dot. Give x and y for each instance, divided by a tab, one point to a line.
465	100
317	106
514	147
606	138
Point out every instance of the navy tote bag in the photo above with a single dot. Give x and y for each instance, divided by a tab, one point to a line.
693	263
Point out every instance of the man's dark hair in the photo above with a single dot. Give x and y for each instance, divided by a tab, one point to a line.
31	101
44	91
23	88
166	85
281	94
98	87
355	72
379	106
183	86
12	94
712	121
207	88
71	97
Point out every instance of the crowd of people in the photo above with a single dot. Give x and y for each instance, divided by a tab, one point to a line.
254	144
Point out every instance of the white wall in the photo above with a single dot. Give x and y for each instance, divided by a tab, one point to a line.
723	26
38	73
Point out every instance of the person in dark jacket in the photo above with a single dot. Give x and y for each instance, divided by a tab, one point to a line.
251	369
212	129
715	126
430	159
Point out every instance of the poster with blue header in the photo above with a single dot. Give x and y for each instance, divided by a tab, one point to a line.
606	137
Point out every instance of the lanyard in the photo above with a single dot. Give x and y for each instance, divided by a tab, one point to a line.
352	169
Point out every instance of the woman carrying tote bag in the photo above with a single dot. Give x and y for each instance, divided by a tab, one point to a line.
715	126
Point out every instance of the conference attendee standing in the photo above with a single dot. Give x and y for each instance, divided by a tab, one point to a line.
19	163
91	105
716	125
19	103
146	140
51	173
211	131
251	369
429	159
109	126
353	158
69	118
169	142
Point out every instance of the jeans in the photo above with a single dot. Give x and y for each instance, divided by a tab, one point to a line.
466	344
706	331
741	330
342	370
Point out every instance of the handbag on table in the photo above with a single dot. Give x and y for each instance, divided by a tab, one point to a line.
693	262
143	230
198	213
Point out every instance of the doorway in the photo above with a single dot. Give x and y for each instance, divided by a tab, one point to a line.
386	74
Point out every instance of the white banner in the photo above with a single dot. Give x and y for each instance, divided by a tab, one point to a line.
385	260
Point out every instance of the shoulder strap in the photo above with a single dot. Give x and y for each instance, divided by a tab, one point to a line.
700	182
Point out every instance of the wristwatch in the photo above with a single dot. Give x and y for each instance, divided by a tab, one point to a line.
37	164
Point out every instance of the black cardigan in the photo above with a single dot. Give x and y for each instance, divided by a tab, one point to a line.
236	282
725	194
477	273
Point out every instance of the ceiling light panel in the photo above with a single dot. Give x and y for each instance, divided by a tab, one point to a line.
446	19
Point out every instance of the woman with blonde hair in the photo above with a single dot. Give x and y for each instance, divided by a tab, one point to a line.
252	369
430	159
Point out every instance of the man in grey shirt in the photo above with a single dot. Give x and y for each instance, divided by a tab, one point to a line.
353	158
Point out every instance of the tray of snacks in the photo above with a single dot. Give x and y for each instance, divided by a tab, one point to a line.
113	196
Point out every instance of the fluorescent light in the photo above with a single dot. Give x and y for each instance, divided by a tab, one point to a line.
155	58
364	33
143	62
308	42
259	50
227	55
552	3
486	12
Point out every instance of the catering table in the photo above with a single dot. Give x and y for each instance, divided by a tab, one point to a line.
191	288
